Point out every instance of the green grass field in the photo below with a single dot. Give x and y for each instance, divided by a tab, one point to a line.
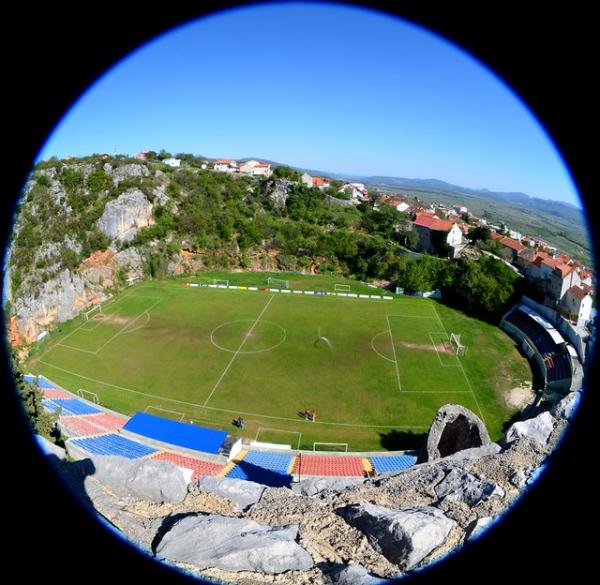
375	371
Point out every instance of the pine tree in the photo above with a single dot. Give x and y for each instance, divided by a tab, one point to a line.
41	422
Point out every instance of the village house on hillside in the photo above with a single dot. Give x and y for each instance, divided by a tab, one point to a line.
357	191
434	232
172	162
255	168
225	165
510	245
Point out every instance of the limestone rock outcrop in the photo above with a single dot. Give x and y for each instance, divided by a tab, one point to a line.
124	216
455	428
233	544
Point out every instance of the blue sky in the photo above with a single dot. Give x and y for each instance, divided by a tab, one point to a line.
325	87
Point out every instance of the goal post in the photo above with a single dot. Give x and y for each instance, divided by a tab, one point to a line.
220	281
341	288
456	344
88	395
278	282
89	314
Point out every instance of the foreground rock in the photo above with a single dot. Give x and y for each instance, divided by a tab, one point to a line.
316	485
466	488
233	544
404	537
455	428
355	575
145	479
539	429
241	492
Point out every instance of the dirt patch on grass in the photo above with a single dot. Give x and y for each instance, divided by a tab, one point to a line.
441	347
518	397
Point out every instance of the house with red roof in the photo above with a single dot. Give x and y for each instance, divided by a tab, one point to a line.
255	168
435	234
320	183
577	304
225	165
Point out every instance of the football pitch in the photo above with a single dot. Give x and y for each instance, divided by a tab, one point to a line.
374	371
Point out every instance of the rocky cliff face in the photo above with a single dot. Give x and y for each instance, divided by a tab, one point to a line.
323	531
60	299
123	217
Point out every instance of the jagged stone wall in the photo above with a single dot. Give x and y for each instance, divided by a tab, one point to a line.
323	530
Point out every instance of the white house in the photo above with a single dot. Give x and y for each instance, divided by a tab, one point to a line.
578	304
306	179
255	168
225	165
401	206
173	162
432	230
459	209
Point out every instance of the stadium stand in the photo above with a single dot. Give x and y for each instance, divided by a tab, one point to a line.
113	445
56	394
385	463
328	465
176	433
200	468
91	424
555	356
44	383
267	468
70	406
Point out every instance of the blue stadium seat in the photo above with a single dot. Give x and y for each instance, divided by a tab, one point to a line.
386	463
69	407
113	444
267	468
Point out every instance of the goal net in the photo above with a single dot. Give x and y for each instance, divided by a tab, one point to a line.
278	282
87	395
457	346
90	314
220	282
341	287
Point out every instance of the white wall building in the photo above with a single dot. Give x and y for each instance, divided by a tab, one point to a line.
225	165
578	303
173	162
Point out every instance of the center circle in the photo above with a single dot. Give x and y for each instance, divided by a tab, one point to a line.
246	336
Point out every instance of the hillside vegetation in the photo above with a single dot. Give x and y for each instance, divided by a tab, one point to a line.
88	226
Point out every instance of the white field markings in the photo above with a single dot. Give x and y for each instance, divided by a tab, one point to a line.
279	431
234	356
395	360
462	368
238	412
387	318
444	334
120	332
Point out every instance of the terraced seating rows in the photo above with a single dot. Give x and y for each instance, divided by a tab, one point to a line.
266	468
385	463
69	407
92	424
56	394
113	445
329	465
200	468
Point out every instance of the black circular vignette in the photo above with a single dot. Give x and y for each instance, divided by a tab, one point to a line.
55	52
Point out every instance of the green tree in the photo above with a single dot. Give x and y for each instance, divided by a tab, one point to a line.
41	422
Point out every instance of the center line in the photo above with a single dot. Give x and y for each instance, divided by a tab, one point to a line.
246	337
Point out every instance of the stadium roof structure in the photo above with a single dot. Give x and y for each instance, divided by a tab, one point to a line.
552	331
184	435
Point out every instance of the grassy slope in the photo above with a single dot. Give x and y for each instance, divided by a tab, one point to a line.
168	360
